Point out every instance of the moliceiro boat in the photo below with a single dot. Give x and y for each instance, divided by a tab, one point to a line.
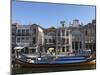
61	61
54	61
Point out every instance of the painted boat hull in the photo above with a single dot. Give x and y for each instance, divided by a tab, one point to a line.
44	65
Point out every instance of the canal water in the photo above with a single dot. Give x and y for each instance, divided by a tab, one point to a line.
23	70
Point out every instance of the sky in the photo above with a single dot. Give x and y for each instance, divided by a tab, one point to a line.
50	14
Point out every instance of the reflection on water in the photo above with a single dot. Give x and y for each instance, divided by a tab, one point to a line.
54	69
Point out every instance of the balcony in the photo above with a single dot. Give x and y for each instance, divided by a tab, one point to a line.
23	34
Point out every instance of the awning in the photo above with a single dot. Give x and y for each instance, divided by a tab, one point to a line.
31	55
17	48
87	50
32	47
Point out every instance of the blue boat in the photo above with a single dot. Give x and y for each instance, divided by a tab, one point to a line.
52	61
60	61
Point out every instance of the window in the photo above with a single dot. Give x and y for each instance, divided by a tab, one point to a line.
86	33
63	41
80	45
13	39
45	40
13	31
67	34
27	31
52	34
19	31
53	40
48	33
63	33
27	38
22	38
63	49
67	41
18	39
58	33
67	49
50	40
45	33
33	50
23	30
34	31
34	40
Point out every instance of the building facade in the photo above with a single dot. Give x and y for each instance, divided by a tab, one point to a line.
13	36
50	38
29	36
77	35
90	35
63	39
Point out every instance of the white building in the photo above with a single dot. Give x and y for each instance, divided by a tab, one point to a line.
63	40
59	38
23	35
30	36
77	35
50	38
